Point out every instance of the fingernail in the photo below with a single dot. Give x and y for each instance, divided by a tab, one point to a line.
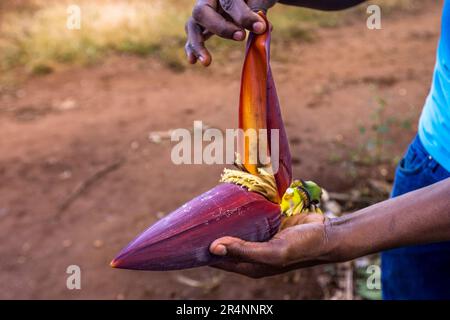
220	250
258	27
191	59
238	36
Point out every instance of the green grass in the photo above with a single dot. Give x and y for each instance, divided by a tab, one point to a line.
37	39
40	41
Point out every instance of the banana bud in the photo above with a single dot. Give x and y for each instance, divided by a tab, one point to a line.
181	240
249	203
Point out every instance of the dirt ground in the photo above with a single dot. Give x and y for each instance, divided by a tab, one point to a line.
57	131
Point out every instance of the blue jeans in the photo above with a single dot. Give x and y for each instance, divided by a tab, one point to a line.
417	272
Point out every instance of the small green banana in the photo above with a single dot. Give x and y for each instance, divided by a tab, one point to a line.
301	196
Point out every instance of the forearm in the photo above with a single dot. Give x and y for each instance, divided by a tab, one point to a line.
418	217
323	4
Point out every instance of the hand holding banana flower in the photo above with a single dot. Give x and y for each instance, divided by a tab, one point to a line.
252	206
251	203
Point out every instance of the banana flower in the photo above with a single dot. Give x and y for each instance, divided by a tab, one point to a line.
249	203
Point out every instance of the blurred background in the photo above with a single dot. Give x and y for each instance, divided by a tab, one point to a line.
85	120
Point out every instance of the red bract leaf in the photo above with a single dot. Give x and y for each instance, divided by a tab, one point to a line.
283	173
259	109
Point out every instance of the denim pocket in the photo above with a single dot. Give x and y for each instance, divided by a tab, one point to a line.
413	162
412	172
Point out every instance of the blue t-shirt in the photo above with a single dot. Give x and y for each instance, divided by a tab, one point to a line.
434	125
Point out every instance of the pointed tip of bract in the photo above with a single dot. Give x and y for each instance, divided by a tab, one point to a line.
120	263
114	264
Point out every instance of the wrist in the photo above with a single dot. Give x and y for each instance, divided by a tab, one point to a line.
333	249
358	233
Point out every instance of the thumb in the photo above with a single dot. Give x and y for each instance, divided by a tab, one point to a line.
238	249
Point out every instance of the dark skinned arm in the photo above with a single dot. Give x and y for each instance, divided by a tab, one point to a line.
230	18
418	217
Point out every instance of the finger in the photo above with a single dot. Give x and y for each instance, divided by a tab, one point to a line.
260	5
315	218
251	270
205	14
206	34
271	252
243	15
287	222
259	270
195	45
192	59
301	218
